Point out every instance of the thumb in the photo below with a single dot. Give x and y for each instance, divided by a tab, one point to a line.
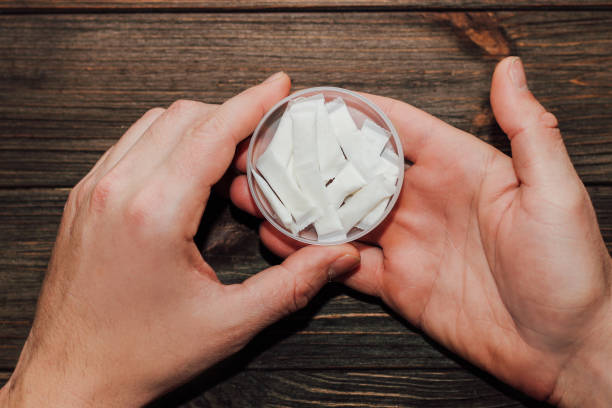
283	289
538	153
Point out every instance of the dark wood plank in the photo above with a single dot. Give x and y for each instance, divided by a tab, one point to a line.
62	5
71	84
418	388
339	329
374	388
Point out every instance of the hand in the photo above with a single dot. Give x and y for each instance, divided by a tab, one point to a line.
129	308
499	259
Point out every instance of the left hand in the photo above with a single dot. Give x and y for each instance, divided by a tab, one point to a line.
129	308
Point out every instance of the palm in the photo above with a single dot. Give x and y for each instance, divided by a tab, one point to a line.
470	255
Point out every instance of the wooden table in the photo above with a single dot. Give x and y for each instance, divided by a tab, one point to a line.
75	74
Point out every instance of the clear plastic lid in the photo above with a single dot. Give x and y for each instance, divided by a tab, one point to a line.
360	109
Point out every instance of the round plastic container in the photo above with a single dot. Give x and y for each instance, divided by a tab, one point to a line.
360	108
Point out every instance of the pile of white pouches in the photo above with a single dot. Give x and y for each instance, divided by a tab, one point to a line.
316	142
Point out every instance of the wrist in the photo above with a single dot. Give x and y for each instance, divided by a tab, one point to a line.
586	378
41	380
26	388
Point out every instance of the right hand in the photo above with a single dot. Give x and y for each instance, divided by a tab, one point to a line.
499	259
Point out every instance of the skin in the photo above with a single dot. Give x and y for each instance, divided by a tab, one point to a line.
127	291
499	259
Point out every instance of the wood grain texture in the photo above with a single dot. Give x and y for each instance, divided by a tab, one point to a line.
70	85
345	388
207	5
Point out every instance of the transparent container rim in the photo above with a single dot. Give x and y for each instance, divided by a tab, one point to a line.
314	90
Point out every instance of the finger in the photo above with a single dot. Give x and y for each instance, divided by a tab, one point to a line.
538	153
129	138
207	150
241	196
418	130
277	242
366	277
98	163
283	289
240	158
158	141
224	185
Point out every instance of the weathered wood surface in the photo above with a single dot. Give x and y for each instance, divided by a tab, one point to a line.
329	349
71	84
193	5
342	388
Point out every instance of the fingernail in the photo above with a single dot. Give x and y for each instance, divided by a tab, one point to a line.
517	73
342	265
274	77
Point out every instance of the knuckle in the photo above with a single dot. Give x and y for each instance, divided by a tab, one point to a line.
549	124
101	193
578	202
544	123
215	126
141	212
548	120
182	106
302	292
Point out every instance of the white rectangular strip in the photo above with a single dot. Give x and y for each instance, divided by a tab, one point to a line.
310	182
342	123
375	136
389	154
373	216
346	182
329	228
331	159
279	209
362	156
282	142
286	189
364	201
304	120
388	169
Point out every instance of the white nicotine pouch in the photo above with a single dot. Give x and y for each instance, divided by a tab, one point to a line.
364	201
346	182
331	159
279	209
286	189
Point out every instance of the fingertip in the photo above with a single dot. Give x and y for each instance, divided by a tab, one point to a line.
280	79
241	196
365	277
500	84
512	103
538	154
276	87
249	107
324	261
